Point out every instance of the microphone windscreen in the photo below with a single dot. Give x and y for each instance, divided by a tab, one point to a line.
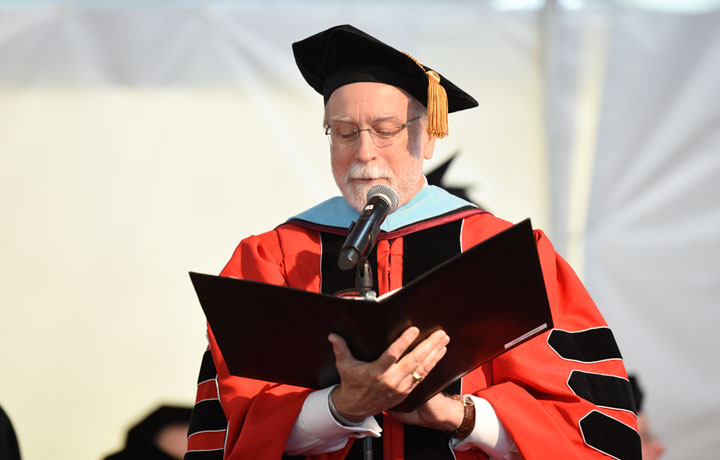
385	192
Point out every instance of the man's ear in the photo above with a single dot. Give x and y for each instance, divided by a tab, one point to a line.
429	147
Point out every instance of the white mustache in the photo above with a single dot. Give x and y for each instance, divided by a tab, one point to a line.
366	171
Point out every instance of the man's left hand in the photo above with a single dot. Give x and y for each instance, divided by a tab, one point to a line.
441	412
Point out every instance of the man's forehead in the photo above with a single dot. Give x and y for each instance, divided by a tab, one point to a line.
367	90
369	101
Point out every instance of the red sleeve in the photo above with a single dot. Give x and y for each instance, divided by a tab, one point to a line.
565	394
258	258
240	418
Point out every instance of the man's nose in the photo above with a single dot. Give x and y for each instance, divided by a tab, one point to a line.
365	149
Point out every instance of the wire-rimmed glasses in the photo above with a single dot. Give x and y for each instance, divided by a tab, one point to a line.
382	132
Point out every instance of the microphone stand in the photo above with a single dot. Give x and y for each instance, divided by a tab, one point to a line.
381	201
364	284
364	280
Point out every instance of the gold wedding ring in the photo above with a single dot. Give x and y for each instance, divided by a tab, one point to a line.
416	377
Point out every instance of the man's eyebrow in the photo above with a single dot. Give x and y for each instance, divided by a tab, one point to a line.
373	119
383	116
333	118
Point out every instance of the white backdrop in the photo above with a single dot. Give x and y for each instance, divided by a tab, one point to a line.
140	142
653	246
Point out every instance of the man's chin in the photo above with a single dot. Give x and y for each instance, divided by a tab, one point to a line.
355	200
356	190
356	195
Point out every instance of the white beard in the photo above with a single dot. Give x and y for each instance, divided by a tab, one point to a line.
355	193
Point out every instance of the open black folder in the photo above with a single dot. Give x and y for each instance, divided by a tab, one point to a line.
488	299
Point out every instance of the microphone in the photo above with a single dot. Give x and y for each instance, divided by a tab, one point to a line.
381	201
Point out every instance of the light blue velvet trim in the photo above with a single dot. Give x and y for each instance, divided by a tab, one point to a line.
429	202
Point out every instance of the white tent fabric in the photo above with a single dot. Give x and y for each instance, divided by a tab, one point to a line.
138	142
653	248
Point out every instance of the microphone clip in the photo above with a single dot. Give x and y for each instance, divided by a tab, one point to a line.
364	280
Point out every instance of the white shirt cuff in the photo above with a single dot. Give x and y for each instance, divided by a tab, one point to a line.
489	434
317	432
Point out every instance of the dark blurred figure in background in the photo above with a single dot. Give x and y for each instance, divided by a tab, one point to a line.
162	435
652	446
9	448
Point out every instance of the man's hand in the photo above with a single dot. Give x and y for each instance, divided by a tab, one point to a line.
441	412
370	388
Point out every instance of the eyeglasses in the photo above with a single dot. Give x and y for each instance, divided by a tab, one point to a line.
383	132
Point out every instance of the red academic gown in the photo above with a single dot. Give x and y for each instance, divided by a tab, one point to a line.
562	395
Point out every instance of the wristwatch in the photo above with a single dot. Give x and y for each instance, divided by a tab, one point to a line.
468	421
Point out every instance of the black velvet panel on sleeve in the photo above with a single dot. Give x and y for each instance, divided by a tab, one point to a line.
610	436
603	390
589	346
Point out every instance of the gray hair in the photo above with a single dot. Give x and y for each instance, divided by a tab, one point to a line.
415	140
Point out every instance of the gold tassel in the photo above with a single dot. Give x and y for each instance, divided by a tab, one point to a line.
437	103
437	106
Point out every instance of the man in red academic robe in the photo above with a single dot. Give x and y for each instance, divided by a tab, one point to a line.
563	394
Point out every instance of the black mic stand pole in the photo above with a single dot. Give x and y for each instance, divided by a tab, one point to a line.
364	284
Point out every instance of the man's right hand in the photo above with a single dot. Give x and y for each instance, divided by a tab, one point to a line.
369	388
